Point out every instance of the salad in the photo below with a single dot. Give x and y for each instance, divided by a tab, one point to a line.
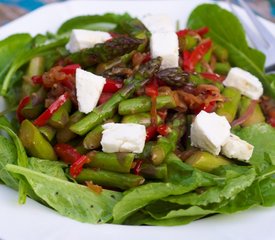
133	123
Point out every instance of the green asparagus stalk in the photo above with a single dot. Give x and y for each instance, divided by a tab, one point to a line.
104	52
48	132
230	107
61	117
107	110
65	134
32	112
256	117
222	68
220	52
167	144
34	142
140	118
143	104
110	179
187	42
36	67
176	77
116	162
151	171
206	161
146	153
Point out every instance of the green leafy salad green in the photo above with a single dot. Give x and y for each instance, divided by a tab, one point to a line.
53	152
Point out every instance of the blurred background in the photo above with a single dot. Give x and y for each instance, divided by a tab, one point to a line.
12	9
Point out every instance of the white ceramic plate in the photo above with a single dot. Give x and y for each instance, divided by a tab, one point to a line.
33	221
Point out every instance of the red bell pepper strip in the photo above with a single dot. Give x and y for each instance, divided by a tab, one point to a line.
24	101
207	108
213	76
67	153
112	86
147	58
186	63
202	31
198	53
77	166
151	90
46	115
151	132
137	167
37	79
163	129
70	69
183	33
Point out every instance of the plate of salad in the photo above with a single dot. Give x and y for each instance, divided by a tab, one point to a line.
122	123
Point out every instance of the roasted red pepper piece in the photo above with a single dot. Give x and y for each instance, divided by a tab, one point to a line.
202	31
163	129
46	115
207	108
66	152
198	53
70	69
37	79
151	90
77	166
213	76
112	86
137	167
24	101
151	132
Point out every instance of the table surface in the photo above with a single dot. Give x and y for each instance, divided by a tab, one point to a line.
12	9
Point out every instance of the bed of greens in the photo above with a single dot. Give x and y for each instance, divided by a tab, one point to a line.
51	152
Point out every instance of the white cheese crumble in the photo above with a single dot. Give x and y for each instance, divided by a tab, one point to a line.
245	82
88	89
81	39
123	137
209	132
165	45
237	148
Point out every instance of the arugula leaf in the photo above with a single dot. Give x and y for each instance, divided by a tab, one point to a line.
10	48
7	155
70	199
25	56
226	30
106	22
22	160
48	167
237	179
261	136
141	196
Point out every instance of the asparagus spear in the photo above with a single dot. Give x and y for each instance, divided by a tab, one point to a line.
220	52
222	68
110	179
107	110
48	132
143	104
167	144
116	162
176	77
65	134
151	171
140	118
206	161
230	106
104	52
34	141
61	117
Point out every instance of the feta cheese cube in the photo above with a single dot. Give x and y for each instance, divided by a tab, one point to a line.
245	82
88	89
165	45
158	23
123	137
81	39
209	132
237	148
